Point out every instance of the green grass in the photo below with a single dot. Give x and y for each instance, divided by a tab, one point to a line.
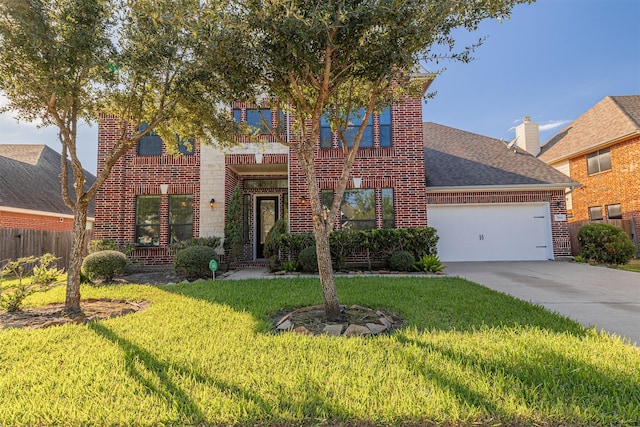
204	354
634	266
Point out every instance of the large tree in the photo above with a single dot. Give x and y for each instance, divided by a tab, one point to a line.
67	61
344	60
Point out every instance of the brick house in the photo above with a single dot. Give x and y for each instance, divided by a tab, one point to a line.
30	195
601	150
154	199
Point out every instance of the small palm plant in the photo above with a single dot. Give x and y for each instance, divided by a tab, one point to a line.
429	263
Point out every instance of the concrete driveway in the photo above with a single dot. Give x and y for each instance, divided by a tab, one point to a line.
600	296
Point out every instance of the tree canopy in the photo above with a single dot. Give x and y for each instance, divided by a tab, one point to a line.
344	60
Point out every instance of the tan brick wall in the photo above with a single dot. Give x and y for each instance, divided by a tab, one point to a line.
620	185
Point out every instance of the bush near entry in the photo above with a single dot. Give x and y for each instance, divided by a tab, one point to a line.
193	261
605	243
104	265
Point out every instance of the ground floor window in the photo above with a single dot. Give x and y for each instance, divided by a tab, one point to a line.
180	217
388	213
358	209
148	220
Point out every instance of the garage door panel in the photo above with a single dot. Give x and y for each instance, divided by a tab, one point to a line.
499	232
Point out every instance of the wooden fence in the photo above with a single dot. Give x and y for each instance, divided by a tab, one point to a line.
628	225
18	242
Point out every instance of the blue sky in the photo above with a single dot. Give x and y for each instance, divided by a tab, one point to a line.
552	61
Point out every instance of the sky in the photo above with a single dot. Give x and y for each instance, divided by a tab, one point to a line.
552	61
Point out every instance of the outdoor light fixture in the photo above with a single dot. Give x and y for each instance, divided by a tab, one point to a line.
212	202
303	200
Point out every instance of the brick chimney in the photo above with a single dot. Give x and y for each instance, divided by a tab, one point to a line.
528	136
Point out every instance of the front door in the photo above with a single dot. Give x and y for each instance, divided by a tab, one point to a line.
267	215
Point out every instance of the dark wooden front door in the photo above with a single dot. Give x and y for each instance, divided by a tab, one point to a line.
267	215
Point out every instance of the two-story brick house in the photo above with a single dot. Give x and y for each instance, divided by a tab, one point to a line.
154	199
601	150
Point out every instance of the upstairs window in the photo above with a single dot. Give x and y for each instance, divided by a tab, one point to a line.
259	118
150	144
353	126
385	128
326	136
186	147
599	161
595	213
614	211
148	220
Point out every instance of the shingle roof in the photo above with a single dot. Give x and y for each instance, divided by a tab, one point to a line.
456	158
611	118
30	179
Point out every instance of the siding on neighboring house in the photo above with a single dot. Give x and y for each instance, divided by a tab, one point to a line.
612	124
30	190
620	185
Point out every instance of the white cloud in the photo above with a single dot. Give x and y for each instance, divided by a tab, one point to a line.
554	124
550	125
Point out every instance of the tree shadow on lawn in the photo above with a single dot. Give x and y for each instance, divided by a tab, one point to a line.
167	389
434	303
556	388
144	367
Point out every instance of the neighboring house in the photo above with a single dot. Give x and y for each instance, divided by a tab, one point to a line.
30	190
154	199
492	202
601	150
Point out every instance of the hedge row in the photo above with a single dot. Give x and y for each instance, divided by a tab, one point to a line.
374	247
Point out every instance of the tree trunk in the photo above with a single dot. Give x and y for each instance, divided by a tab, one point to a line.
72	301
325	270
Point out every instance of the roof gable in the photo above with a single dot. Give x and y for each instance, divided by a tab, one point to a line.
456	158
612	118
30	179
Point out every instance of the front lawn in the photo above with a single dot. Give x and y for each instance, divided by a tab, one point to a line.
205	354
633	265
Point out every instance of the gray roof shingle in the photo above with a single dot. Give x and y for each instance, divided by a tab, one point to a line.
611	118
30	179
456	158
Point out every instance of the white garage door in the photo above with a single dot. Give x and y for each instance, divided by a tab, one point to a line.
495	232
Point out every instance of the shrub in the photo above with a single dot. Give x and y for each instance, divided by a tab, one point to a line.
210	242
344	243
44	275
605	243
308	260
272	244
110	245
402	261
429	263
193	262
419	240
233	243
289	266
104	265
12	295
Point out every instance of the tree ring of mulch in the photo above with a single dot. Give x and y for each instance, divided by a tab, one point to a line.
355	321
53	314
